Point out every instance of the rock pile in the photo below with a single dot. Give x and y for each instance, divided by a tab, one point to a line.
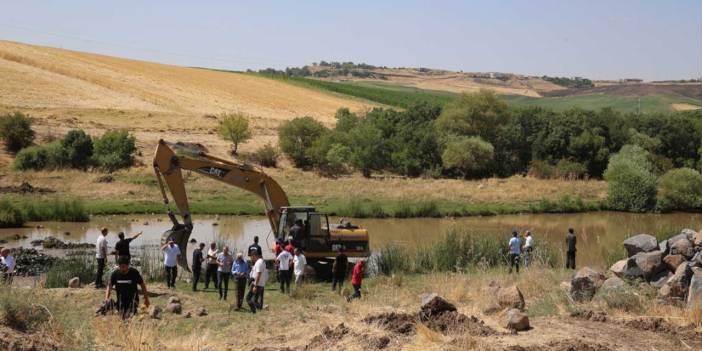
51	242
31	262
673	266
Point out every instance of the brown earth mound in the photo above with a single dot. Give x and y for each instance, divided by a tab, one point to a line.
400	323
590	315
659	325
24	188
564	345
454	322
13	340
329	336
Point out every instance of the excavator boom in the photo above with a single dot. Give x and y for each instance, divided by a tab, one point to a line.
169	161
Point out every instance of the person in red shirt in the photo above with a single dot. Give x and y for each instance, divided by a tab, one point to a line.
356	279
290	247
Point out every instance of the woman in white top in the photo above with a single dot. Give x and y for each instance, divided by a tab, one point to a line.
8	261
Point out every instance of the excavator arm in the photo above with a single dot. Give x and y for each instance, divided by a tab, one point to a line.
169	161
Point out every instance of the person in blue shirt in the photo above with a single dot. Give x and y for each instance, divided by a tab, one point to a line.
240	273
515	249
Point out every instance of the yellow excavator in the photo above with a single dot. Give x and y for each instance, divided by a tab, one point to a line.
314	234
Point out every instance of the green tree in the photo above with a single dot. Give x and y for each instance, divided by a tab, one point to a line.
296	136
370	150
16	131
680	189
480	114
337	158
345	120
235	128
78	148
114	150
631	184
468	155
267	155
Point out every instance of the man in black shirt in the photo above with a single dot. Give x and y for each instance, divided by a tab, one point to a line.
255	246
197	264
125	281
571	242
339	269
122	246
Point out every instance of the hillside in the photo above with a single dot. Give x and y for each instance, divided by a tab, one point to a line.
95	92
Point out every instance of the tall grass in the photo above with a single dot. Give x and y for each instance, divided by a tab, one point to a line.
55	210
458	250
10	215
81	264
149	262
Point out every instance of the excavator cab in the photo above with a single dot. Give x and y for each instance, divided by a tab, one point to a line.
313	236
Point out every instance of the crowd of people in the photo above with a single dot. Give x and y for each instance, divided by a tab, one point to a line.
221	266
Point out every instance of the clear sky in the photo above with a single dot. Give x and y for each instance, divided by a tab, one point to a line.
653	40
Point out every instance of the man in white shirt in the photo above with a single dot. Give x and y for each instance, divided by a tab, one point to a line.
299	263
259	275
515	247
171	251
283	261
528	248
101	256
212	266
8	261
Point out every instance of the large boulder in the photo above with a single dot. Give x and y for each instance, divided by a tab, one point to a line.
664	247
174	308
510	298
659	279
74	283
689	233
613	283
644	265
697	240
640	243
619	268
516	320
673	261
694	295
681	245
433	304
677	285
585	284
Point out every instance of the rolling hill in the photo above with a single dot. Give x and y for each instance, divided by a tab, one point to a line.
65	89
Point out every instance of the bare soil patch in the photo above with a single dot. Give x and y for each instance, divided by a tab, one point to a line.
687	90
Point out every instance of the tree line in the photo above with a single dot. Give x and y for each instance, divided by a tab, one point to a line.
478	135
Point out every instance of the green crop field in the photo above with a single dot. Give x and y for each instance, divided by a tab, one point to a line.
403	96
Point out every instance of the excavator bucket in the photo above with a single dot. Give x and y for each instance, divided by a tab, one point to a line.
180	236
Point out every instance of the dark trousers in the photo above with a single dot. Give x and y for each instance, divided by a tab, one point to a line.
100	272
284	277
211	273
240	291
255	299
223	282
337	280
127	306
513	262
197	270
356	291
570	259
171	274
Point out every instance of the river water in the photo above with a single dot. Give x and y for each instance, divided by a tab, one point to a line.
596	231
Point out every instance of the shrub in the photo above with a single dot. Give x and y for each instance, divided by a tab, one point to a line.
10	215
16	131
631	184
77	146
19	311
337	158
296	136
680	189
267	155
570	170
114	150
34	157
468	155
235	128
